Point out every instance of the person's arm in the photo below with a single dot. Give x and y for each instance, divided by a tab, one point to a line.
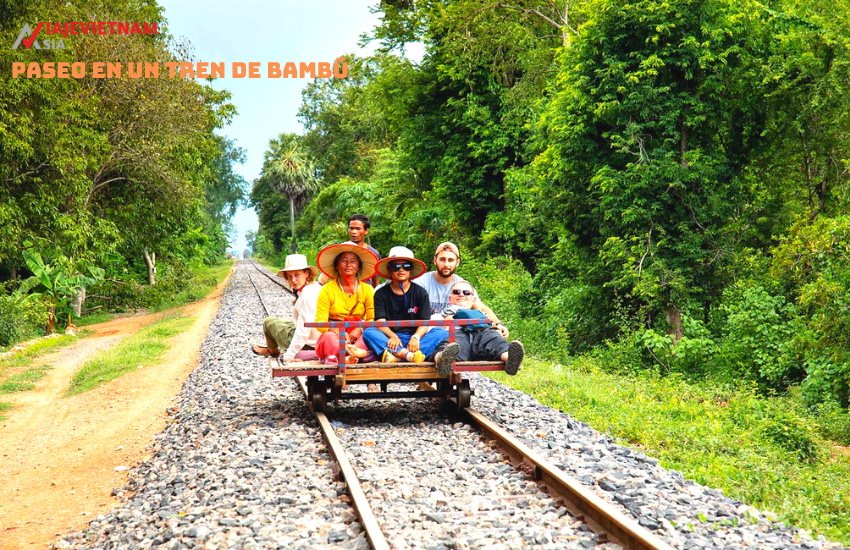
380	309
323	306
503	330
370	305
305	312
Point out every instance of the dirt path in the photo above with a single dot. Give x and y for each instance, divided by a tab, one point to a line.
58	456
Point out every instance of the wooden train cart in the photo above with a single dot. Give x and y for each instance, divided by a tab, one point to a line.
328	382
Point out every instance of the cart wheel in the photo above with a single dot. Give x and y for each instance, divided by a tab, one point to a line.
464	395
318	397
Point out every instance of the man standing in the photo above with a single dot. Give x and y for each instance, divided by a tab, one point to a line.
358	229
439	283
399	300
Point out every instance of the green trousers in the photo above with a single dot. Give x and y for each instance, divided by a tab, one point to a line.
278	333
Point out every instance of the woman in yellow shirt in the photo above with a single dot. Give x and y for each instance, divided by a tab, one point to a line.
345	296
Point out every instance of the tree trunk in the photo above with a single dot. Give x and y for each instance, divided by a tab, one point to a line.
14	273
78	301
150	261
294	246
51	312
674	320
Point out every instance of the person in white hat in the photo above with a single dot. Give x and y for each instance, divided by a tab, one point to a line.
399	300
346	296
298	340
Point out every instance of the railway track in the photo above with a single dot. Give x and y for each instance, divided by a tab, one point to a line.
242	464
604	519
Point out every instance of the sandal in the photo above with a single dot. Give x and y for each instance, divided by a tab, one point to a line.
265	351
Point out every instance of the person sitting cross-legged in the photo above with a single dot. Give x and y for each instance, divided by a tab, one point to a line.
297	341
482	342
399	300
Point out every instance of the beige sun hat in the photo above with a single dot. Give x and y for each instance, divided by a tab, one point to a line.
327	255
398	253
296	262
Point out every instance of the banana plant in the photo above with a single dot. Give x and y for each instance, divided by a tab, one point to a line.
56	284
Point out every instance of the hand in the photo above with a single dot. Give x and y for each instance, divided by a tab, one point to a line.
394	344
413	345
503	330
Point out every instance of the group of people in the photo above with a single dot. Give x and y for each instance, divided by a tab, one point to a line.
348	290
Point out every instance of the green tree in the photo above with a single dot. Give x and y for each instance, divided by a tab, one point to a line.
288	171
655	112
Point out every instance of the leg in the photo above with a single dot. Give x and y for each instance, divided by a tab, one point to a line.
327	345
488	345
375	340
431	339
370	356
307	354
278	334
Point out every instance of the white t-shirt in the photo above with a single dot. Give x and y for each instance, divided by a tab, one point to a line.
438	293
304	312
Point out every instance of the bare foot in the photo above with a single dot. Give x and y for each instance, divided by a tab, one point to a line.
354	351
350	360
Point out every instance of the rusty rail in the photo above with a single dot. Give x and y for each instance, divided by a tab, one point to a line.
349	475
600	515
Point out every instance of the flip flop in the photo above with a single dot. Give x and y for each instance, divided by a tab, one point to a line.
265	351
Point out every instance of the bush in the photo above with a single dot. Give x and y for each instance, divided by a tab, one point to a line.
691	355
815	259
21	318
788	435
757	337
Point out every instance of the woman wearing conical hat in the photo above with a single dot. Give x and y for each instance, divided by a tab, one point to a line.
346	296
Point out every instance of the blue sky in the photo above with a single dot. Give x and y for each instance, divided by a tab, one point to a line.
264	31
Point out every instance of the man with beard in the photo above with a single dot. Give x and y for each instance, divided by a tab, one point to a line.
439	283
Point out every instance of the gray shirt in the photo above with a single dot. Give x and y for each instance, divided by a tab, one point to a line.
438	293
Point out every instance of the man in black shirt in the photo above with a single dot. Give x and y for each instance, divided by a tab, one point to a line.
399	300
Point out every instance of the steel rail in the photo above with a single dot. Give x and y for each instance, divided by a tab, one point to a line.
583	503
259	294
349	475
271	278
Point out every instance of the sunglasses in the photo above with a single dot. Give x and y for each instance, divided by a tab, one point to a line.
458	292
407	266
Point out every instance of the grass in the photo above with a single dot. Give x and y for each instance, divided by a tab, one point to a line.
4	406
24	381
768	452
141	350
25	357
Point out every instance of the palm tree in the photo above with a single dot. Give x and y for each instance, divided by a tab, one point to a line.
287	170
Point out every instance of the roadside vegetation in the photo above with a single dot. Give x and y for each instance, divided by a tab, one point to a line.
5	406
141	350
